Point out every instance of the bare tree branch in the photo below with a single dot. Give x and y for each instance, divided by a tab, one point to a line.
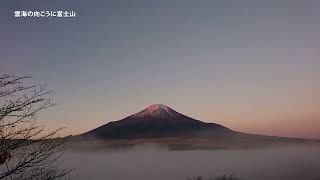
26	149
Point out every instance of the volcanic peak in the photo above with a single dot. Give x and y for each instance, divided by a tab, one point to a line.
156	110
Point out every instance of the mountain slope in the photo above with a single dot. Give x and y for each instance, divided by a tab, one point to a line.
158	121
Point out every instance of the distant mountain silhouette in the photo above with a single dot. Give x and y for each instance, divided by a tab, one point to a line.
157	121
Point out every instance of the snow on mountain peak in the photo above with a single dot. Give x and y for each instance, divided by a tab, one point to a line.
158	106
155	110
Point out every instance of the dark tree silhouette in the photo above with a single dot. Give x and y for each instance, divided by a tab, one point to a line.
27	151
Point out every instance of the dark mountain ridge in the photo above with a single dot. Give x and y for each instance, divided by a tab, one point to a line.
161	125
160	121
157	121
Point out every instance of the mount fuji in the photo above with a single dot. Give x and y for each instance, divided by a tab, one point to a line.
157	121
160	124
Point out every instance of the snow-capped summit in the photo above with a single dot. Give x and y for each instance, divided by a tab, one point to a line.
156	111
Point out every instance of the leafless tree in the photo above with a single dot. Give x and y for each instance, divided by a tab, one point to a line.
27	151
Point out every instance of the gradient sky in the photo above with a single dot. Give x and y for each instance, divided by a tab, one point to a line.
252	66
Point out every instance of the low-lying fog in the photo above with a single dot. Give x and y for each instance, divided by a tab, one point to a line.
141	163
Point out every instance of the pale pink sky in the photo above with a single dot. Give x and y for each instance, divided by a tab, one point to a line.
251	66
